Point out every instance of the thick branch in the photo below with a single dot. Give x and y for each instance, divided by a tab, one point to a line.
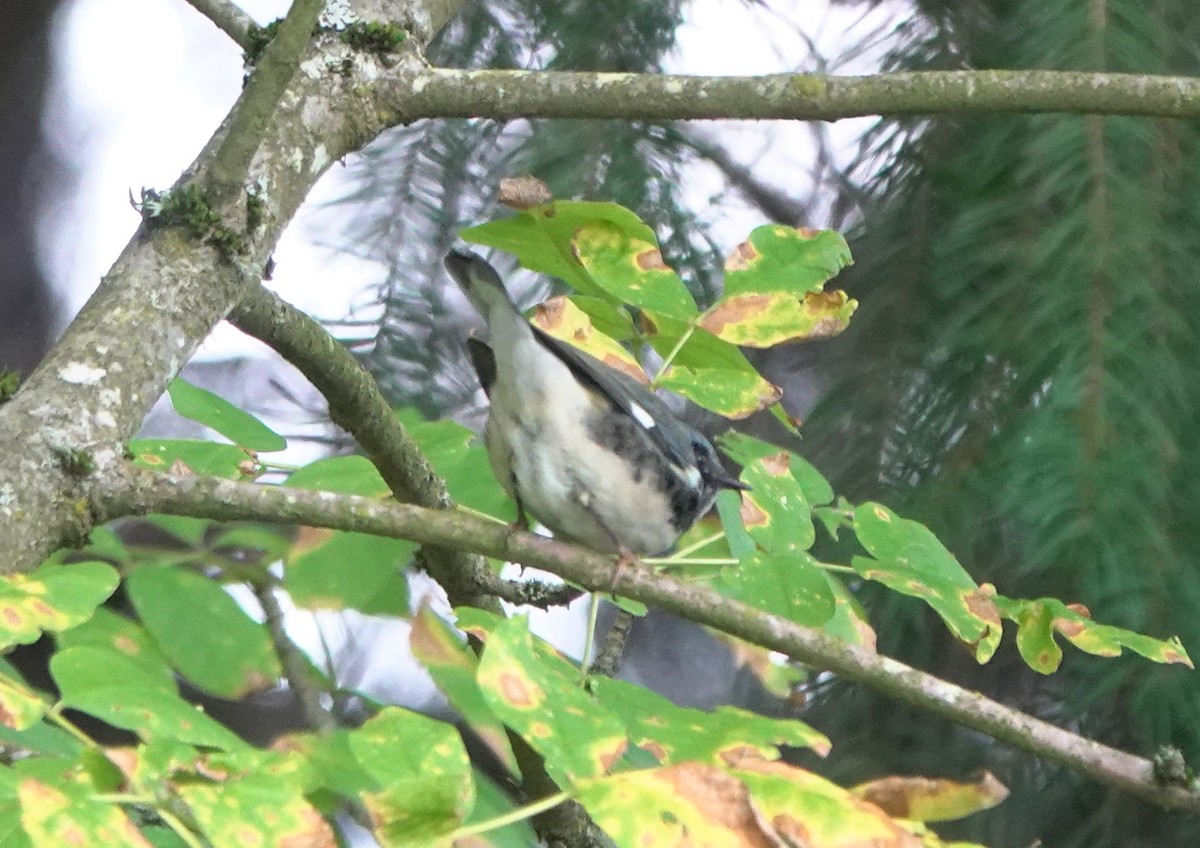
167	290
445	93
135	492
229	164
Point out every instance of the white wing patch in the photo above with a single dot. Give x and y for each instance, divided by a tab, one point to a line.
641	416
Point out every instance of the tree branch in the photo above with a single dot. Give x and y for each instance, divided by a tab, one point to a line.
228	17
295	663
503	95
167	290
357	406
135	492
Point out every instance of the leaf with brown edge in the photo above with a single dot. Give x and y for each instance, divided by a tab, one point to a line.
53	598
690	804
734	394
908	558
565	321
1038	620
20	706
799	807
765	319
793	260
933	799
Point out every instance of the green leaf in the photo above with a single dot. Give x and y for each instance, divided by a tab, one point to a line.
330	569
776	258
52	598
347	475
113	631
1039	620
608	318
458	455
113	688
778	574
210	459
203	631
849	621
632	270
422	767
788	584
541	237
218	414
20	706
491	802
255	809
453	667
671	734
909	559
744	449
707	370
56	812
734	394
544	703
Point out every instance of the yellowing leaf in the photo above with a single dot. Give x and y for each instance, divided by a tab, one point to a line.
769	318
929	799
565	321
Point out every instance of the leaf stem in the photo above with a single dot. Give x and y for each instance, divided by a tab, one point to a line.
519	814
670	357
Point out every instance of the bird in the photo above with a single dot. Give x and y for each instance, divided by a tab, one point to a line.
591	453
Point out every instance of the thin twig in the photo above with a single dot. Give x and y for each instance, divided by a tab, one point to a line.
228	17
608	660
295	663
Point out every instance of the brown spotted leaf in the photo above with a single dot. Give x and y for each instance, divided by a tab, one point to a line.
691	804
678	734
256	810
20	706
63	813
423	775
52	598
453	666
765	319
632	270
543	703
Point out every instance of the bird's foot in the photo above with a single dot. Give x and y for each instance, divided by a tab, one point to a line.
625	559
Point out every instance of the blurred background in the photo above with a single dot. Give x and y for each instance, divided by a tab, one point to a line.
1020	375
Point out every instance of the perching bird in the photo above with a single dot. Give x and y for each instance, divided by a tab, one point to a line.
588	451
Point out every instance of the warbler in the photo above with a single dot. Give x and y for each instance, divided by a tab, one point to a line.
588	451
